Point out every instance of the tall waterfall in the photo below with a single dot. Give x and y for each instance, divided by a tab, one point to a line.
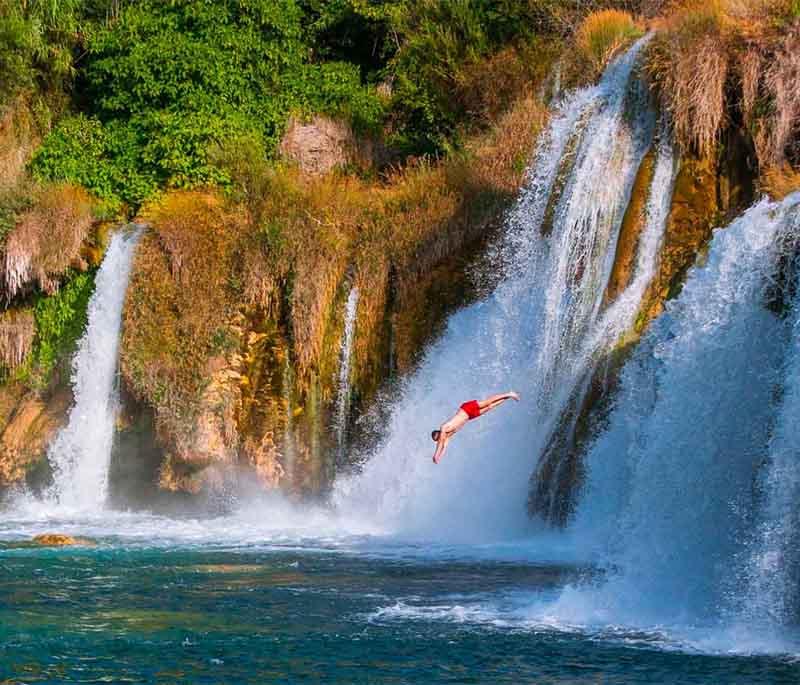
706	406
81	452
537	333
345	353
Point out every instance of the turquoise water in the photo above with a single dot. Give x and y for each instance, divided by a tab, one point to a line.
162	601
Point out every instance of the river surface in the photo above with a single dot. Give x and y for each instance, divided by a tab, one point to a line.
258	598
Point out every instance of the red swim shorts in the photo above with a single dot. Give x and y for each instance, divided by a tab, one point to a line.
472	409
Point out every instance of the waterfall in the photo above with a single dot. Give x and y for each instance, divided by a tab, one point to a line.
670	498
538	332
81	452
289	456
345	352
771	596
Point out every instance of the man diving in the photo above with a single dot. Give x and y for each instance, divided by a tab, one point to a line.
466	412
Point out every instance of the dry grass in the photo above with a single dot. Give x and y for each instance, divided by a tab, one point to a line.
46	240
713	59
17	330
778	128
780	181
601	34
690	61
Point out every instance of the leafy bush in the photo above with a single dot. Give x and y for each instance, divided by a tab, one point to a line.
171	79
36	42
107	160
60	322
438	48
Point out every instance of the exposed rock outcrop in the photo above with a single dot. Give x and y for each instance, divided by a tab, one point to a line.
61	540
323	144
29	425
706	192
17	330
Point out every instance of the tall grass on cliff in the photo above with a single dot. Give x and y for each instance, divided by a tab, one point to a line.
713	59
46	240
690	60
601	35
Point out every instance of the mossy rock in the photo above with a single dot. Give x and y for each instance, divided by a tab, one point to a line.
61	540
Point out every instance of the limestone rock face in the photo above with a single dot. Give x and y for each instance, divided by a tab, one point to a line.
204	460
691	220
632	225
30	425
320	145
17	331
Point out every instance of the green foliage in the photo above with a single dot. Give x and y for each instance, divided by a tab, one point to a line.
60	322
105	160
162	84
436	43
171	79
36	42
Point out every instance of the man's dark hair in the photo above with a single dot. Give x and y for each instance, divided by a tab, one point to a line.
435	435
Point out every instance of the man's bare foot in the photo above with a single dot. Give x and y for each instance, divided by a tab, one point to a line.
514	396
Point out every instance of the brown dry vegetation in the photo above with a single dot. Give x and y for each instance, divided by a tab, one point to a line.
718	60
46	240
19	136
780	181
601	34
17	331
180	299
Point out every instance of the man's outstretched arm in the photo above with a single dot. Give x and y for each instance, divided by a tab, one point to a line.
441	447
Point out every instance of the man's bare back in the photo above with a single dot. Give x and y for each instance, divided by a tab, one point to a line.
466	412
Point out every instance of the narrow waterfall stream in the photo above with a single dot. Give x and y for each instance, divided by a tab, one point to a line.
81	453
343	391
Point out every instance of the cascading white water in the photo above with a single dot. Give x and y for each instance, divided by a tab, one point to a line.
287	382
669	499
345	353
771	594
537	332
81	452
